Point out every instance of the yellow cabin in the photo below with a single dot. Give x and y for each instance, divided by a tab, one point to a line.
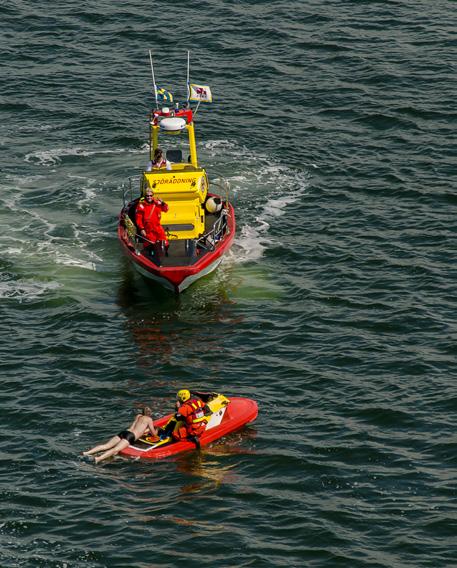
181	184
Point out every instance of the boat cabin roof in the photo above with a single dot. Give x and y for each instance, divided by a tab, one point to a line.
158	114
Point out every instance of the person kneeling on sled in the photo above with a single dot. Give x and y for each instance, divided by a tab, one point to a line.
190	420
147	217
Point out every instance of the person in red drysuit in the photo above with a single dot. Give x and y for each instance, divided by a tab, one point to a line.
147	218
190	411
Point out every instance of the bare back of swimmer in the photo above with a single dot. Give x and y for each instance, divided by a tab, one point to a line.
142	424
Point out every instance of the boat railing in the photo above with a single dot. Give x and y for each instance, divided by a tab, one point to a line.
131	189
209	240
222	184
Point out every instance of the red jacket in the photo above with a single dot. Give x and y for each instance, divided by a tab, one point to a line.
192	412
147	218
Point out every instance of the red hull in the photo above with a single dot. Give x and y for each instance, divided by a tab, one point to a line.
240	411
178	278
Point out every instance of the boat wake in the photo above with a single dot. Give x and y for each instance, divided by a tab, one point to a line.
37	236
58	155
262	190
26	289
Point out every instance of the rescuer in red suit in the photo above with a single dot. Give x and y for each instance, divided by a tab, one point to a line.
190	419
147	218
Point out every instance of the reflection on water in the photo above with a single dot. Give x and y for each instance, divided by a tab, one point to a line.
189	523
135	289
207	466
164	325
206	295
159	345
209	471
152	341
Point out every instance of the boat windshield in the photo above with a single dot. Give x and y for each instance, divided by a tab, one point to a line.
176	149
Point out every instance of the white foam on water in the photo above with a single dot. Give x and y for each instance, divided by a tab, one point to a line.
75	262
214	144
58	251
93	233
35	127
31	235
269	188
64	254
26	289
89	194
54	156
82	178
238	179
88	189
277	207
251	243
13	251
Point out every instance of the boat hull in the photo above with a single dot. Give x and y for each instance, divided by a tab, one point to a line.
239	412
178	278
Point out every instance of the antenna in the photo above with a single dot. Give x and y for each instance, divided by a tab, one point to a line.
153	79
188	75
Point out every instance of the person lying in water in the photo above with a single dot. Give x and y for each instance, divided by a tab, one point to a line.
142	425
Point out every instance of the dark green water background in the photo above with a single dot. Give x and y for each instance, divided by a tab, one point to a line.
335	123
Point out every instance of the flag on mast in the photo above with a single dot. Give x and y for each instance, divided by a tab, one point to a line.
200	93
164	96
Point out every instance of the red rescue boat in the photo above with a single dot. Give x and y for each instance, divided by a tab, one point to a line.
199	222
185	261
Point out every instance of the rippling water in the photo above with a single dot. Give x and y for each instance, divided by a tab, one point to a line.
335	124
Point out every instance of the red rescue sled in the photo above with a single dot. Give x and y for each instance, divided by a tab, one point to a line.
227	415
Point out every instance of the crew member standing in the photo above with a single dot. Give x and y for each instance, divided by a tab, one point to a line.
147	217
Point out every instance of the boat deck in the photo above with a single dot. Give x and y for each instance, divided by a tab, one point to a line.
180	252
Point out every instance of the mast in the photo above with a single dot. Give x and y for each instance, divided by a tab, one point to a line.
188	76
153	78
153	132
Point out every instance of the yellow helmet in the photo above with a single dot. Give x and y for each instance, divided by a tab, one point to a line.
183	395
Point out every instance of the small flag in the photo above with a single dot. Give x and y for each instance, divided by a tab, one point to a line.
164	96
201	93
